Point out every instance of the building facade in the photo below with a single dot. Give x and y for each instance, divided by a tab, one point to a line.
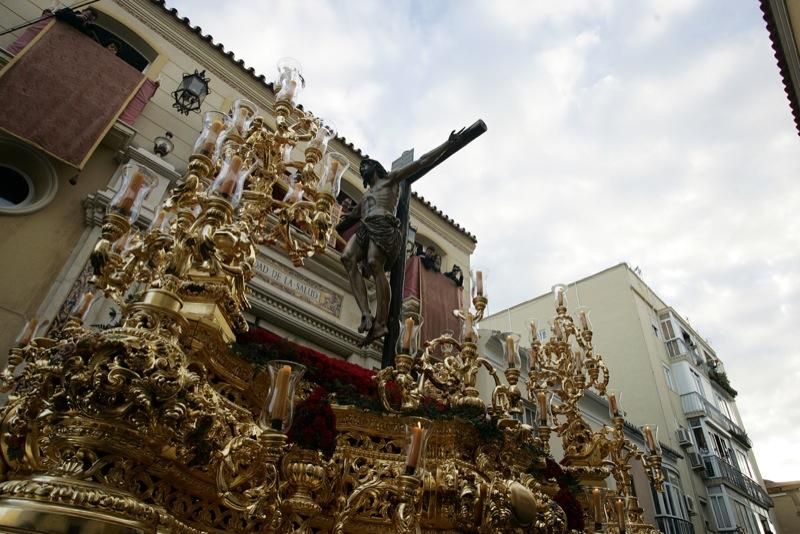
52	217
669	376
786	496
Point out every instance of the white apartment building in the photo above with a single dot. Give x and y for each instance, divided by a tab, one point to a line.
670	376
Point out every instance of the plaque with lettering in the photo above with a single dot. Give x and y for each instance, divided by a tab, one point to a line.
298	285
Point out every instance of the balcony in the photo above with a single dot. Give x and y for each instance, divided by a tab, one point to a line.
719	470
695	405
674	525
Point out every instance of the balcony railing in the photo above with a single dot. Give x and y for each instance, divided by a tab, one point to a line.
674	525
695	404
720	470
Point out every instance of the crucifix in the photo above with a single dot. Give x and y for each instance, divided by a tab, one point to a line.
379	243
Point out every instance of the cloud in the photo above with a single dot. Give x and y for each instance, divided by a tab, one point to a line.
655	132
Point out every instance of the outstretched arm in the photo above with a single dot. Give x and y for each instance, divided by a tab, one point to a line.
455	142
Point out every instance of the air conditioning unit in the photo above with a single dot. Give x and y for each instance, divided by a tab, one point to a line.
690	506
695	462
684	437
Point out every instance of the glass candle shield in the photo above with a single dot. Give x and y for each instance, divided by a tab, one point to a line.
417	434
230	181
596	507
26	334
162	221
242	114
290	81
325	132
478	283
560	295
408	342
83	305
511	350
214	123
614	403
136	182
334	165
650	434
583	318
468	332
279	408
544	400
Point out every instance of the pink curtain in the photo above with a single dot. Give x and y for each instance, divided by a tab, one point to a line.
140	100
438	296
28	35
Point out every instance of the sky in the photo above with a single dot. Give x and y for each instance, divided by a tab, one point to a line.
655	132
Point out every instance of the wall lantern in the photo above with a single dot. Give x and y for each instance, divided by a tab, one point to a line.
191	92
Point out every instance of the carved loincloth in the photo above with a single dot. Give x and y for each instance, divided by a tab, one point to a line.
384	231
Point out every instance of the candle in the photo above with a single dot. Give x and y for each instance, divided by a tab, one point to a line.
559	295
242	114
597	506
534	332
511	352
83	305
650	439
557	330
619	506
613	405
280	402
288	91
229	181
126	202
479	283
584	319
468	333
27	333
210	143
407	333
541	406
414	449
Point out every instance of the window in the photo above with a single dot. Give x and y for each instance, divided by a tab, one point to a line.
723	407
745	519
127	45
666	327
698	384
720	446
672	501
16	189
721	515
668	377
28	181
542	335
743	463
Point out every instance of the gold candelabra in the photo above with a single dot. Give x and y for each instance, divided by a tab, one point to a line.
156	425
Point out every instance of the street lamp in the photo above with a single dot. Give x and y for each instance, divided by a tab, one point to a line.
191	92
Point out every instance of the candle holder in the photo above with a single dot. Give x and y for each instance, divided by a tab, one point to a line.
214	123
279	408
241	115
334	167
290	81
595	509
136	182
650	433
560	298
417	433
231	177
319	144
408	341
614	403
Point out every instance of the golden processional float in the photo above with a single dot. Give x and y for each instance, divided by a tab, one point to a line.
157	425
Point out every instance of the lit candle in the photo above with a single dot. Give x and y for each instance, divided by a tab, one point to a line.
479	283
650	439
511	352
619	506
209	145
414	449
407	333
280	403
228	184
597	506
613	404
541	405
27	333
83	305
126	202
